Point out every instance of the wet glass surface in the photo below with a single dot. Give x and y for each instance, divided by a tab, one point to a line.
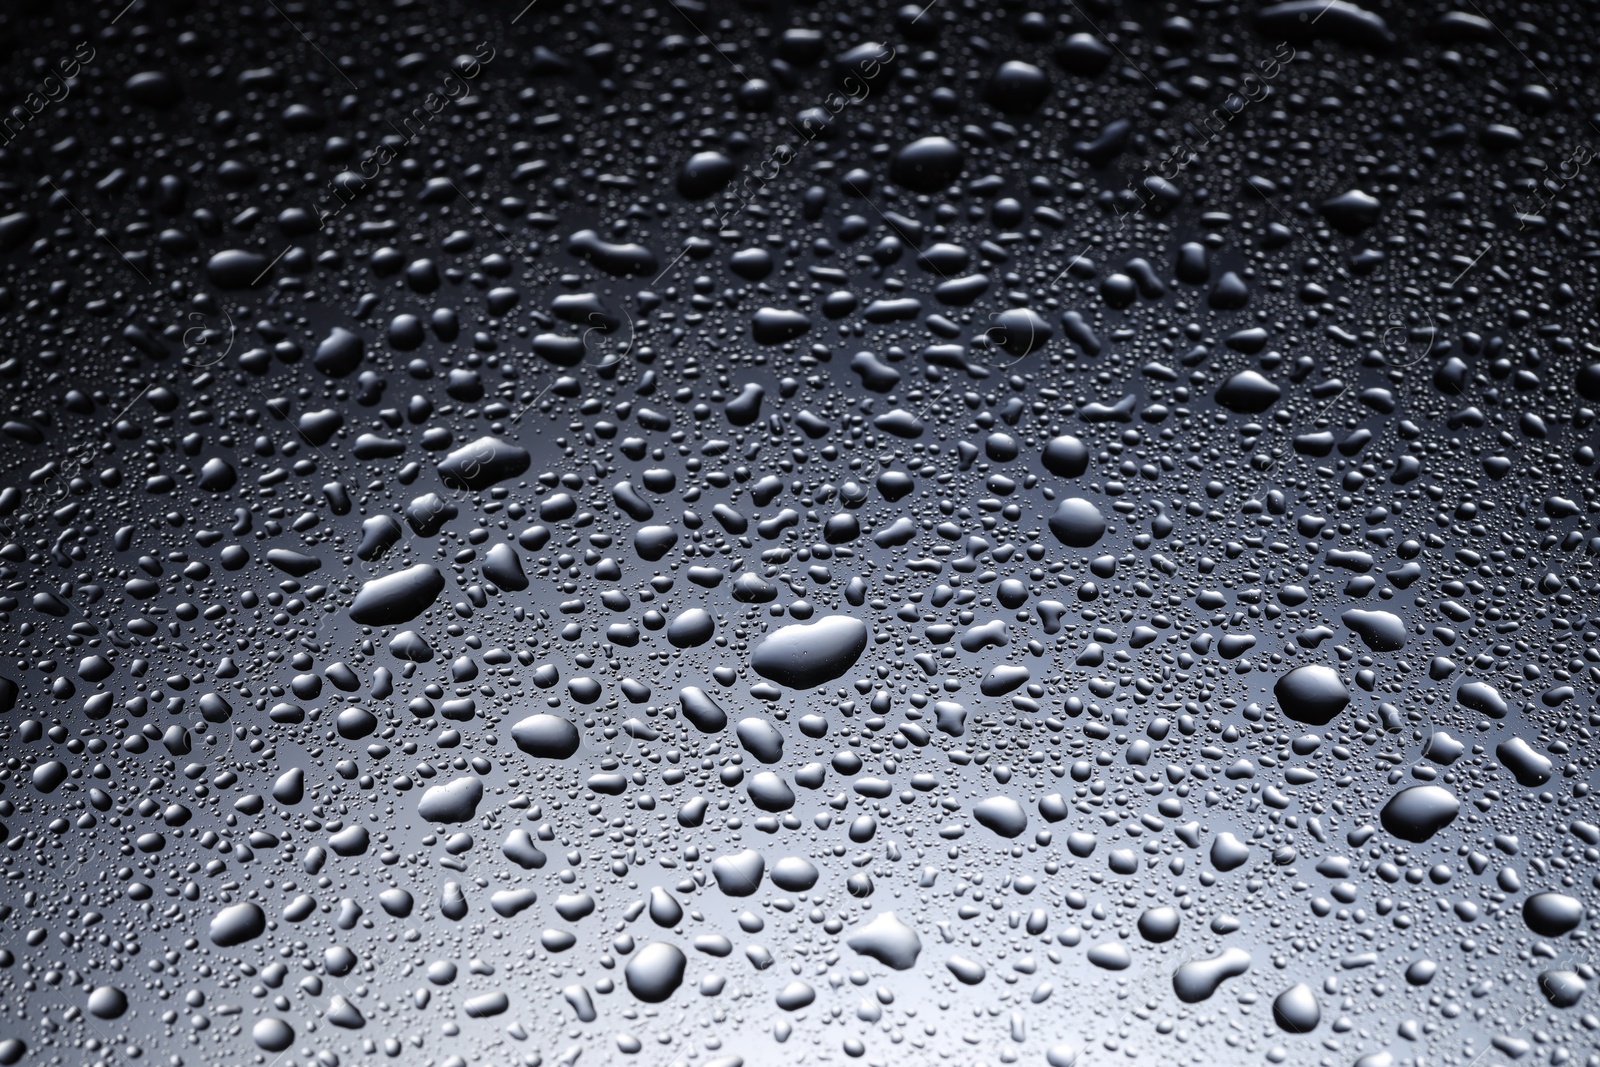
727	534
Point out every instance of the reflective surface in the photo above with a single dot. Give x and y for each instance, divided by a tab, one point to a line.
712	534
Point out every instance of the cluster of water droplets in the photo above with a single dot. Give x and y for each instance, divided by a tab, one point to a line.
615	590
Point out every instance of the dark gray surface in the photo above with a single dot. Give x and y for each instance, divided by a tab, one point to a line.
580	567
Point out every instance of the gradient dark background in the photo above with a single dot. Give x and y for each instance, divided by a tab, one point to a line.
1106	363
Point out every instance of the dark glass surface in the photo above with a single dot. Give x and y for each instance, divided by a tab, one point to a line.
731	534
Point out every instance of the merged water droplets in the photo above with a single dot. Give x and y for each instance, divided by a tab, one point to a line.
455	801
806	655
1198	980
1418	812
889	941
238	924
1312	694
655	971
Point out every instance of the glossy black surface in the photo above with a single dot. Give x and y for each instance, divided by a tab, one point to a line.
730	534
